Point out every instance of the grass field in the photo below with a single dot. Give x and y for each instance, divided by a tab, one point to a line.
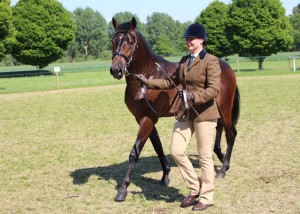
66	151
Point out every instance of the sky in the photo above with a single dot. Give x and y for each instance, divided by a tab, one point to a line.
177	9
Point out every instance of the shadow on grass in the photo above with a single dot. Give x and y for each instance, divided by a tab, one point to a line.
151	188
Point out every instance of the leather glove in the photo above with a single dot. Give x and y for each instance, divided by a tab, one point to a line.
142	79
190	96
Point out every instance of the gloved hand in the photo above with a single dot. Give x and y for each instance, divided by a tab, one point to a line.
190	96
183	112
142	79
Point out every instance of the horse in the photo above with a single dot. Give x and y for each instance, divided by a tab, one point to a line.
131	55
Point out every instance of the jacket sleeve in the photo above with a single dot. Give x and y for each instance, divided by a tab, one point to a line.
164	83
212	85
159	84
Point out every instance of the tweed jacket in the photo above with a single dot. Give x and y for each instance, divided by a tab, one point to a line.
202	78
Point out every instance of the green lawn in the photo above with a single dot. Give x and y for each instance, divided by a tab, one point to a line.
66	151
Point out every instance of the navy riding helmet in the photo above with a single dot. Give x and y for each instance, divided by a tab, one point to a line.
195	30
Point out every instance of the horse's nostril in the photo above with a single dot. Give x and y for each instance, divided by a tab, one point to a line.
111	71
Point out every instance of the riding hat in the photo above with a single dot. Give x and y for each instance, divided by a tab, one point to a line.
195	30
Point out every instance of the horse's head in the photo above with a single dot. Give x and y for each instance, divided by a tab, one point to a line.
124	44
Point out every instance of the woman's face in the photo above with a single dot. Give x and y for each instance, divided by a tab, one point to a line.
194	44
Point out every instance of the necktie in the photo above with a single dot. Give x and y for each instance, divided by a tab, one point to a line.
190	60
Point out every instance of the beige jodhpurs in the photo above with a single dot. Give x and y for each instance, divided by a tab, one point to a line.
204	133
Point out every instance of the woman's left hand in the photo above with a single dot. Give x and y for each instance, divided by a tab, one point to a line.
190	96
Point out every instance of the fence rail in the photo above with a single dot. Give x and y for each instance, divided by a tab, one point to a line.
14	79
283	63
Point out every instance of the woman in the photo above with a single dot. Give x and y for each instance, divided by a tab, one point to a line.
199	74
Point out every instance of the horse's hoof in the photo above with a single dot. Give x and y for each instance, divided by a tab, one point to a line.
220	175
165	182
121	196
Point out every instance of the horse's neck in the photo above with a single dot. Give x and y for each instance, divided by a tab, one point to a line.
144	61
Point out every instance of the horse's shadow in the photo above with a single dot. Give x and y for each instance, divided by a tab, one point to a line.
150	188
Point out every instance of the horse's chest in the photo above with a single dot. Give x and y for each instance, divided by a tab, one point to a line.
133	97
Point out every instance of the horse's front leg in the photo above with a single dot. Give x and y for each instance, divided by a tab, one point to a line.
145	129
155	140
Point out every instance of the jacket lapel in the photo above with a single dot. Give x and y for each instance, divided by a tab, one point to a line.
196	60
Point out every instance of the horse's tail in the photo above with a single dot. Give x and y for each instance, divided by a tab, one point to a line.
236	106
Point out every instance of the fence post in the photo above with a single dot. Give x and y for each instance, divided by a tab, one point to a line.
238	64
56	70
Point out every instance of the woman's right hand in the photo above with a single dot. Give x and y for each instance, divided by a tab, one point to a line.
141	78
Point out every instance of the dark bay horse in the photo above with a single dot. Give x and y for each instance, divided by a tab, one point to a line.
133	55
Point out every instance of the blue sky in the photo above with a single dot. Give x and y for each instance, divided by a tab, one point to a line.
182	11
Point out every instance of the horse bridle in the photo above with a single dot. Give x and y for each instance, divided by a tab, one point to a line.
127	73
119	53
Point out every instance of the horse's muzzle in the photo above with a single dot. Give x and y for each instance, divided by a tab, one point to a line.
116	73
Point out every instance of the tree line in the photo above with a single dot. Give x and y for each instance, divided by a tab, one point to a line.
38	32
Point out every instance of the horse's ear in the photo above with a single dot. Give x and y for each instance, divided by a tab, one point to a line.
133	23
115	23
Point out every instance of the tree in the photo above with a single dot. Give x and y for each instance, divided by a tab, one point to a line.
258	28
295	22
6	27
72	51
163	46
91	34
44	28
162	23
214	19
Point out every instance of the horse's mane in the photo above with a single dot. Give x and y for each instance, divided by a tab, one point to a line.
126	27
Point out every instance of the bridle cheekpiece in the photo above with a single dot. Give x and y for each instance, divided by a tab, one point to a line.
119	53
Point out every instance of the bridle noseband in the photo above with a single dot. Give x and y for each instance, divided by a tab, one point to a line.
119	53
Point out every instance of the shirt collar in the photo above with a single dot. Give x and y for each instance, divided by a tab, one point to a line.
201	54
196	54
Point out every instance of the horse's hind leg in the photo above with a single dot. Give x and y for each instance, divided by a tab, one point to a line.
229	118
230	134
217	147
154	137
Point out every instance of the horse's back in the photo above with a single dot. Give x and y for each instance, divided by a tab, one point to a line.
227	74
